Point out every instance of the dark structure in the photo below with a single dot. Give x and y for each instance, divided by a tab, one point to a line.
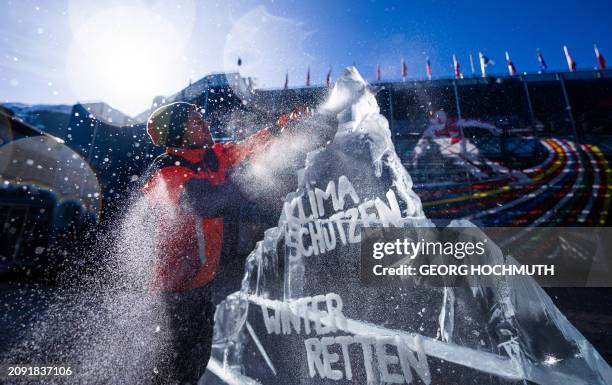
48	197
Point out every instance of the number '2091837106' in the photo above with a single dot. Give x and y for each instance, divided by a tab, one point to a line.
23	370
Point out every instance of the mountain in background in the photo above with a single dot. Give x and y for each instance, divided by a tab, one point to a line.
55	119
49	118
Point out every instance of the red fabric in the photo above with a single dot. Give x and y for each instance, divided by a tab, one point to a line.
450	130
457	68
177	263
295	114
601	61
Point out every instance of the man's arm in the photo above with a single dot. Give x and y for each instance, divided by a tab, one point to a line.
321	125
238	152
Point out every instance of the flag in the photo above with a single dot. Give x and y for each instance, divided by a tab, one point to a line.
328	78
543	65
428	69
456	67
286	80
511	67
571	64
600	59
484	63
377	72
472	64
404	70
308	77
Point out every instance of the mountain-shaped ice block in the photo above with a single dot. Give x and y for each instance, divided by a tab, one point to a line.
303	316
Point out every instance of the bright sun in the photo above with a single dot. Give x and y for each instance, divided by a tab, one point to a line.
125	56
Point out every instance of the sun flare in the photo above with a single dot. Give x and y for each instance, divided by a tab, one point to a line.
125	56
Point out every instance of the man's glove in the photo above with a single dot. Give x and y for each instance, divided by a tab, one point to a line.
286	122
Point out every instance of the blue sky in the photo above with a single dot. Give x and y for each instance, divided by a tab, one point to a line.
61	51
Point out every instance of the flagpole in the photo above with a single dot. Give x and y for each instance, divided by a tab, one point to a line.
328	77
472	64
482	64
458	105
567	58
543	65
601	62
568	105
508	63
534	128
511	67
456	67
460	127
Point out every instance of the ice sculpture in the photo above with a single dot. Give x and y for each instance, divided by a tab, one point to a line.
303	316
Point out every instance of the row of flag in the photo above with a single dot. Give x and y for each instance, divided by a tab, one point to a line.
484	60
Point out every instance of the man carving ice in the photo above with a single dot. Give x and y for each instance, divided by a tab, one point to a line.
188	248
189	194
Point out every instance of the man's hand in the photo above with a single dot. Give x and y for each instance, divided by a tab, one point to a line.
284	121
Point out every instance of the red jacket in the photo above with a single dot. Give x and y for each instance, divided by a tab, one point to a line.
188	248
